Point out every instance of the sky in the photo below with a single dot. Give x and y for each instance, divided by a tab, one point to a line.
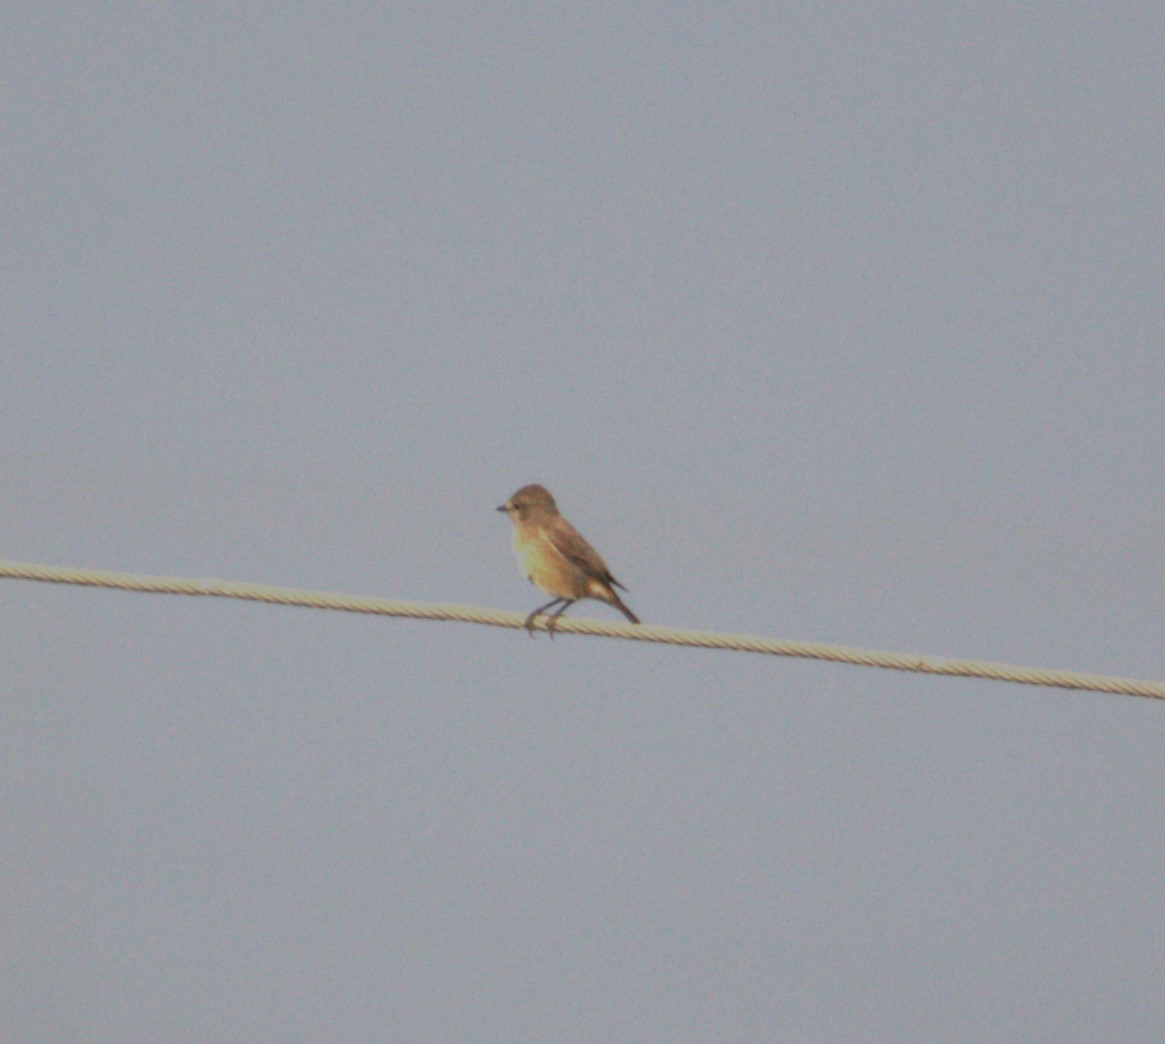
831	322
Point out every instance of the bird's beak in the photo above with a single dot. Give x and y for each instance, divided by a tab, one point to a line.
502	507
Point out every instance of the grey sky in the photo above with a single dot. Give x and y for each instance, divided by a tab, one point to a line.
835	322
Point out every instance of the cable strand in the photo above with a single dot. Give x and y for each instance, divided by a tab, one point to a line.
292	596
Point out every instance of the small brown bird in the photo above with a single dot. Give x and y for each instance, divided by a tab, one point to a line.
555	558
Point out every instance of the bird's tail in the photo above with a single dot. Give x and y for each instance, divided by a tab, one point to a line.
617	602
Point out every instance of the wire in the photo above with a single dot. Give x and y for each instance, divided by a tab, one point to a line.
573	625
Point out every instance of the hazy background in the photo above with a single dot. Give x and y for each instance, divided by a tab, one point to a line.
823	321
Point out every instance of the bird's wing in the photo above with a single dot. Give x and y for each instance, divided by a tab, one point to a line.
569	543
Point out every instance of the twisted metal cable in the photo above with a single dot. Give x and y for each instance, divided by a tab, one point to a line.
572	625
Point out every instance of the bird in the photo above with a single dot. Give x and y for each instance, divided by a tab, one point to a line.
555	558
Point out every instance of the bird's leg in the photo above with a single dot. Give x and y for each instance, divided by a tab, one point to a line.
552	622
529	624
